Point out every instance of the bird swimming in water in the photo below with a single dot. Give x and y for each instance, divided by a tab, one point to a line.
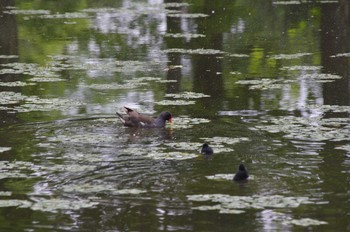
206	150
132	118
241	174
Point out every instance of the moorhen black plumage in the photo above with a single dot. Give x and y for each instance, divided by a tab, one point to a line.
206	149
241	174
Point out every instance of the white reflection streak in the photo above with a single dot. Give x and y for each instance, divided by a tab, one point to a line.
308	86
273	221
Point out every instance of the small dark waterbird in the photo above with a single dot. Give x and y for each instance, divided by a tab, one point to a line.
241	174
132	118
206	149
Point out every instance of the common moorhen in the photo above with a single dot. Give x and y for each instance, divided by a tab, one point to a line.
132	118
241	174
206	150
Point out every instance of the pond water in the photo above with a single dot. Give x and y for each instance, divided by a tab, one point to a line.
265	83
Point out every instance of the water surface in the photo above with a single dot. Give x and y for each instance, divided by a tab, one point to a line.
264	83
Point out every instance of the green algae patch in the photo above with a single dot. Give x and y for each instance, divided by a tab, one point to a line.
221	177
16	169
289	56
225	203
188	146
66	15
301	68
46	79
306	222
173	155
185	122
187	95
309	129
175	102
28	69
69	168
96	188
200	51
3	149
86	138
55	204
5	193
184	35
15	84
225	140
27	12
15	203
183	15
